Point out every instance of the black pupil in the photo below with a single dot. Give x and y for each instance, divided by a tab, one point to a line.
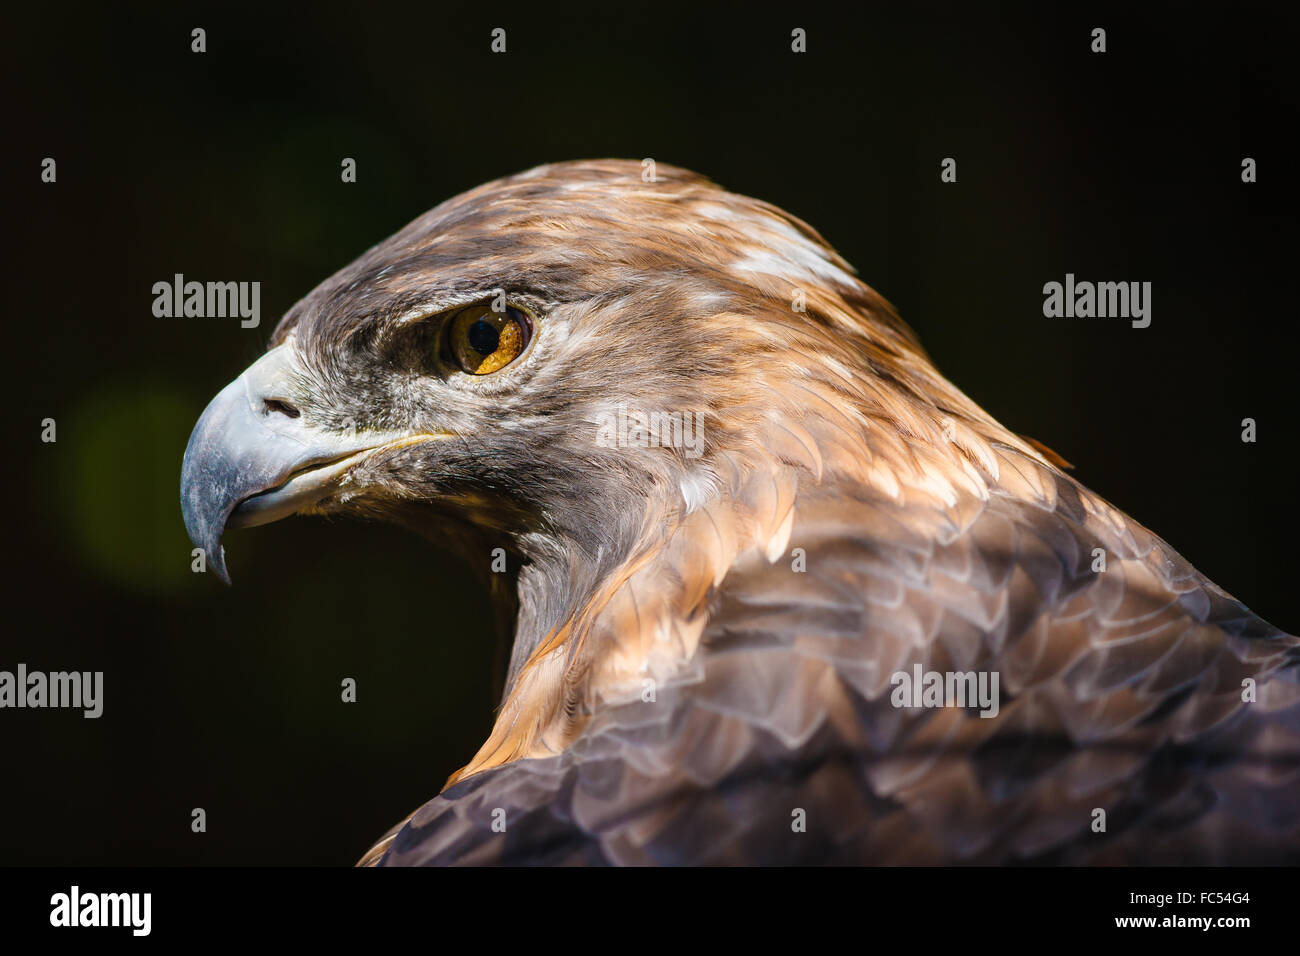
484	337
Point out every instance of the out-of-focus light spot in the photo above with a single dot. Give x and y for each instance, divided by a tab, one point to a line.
120	491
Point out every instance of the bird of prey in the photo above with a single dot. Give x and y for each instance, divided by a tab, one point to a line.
743	512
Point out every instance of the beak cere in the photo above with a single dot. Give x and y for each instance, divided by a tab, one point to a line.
251	461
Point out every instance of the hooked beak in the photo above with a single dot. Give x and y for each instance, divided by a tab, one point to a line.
252	459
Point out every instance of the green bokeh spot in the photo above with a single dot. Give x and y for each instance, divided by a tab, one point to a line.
120	484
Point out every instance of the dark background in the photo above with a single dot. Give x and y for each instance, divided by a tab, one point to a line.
225	165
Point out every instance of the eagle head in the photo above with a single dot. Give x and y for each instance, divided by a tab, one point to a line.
545	363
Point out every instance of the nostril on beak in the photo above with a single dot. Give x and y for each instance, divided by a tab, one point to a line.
275	406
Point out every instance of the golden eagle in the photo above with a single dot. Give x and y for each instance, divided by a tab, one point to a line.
783	593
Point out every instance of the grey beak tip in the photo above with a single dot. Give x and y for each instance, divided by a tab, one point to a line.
207	538
204	506
219	566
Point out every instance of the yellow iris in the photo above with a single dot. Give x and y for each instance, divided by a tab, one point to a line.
484	341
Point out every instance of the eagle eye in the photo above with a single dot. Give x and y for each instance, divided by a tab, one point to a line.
483	341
